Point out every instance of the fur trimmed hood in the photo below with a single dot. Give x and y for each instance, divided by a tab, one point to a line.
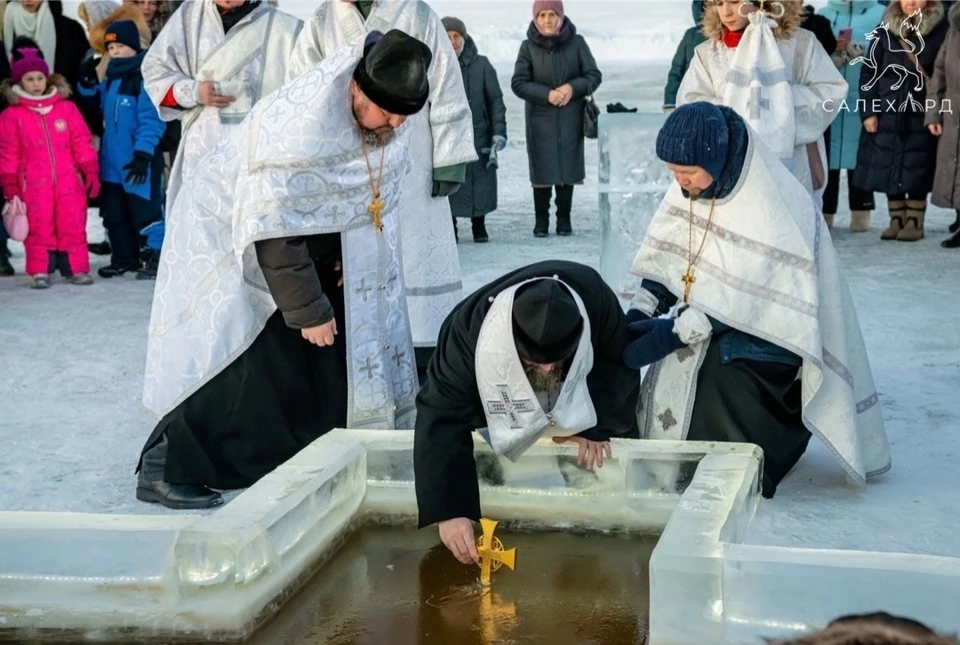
55	80
931	17
712	28
125	12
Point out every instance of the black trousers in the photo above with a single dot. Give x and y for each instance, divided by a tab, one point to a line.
917	197
124	216
858	199
751	402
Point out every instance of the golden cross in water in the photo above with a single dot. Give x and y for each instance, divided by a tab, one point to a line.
376	210
492	553
688	280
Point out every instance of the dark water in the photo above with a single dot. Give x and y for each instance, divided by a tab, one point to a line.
395	586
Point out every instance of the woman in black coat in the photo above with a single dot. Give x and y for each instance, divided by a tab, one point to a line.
478	194
554	74
897	153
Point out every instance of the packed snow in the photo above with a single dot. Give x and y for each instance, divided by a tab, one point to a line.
71	425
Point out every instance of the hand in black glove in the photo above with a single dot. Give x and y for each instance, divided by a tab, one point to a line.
88	68
635	315
655	340
138	168
445	188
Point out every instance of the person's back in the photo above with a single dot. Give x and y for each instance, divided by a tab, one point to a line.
684	54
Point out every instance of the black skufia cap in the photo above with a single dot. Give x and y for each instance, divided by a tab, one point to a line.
546	322
393	72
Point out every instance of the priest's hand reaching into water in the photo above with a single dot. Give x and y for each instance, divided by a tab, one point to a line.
591	452
458	536
207	95
322	335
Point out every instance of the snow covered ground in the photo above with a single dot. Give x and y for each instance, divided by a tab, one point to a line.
71	358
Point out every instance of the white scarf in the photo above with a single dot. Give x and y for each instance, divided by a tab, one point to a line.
39	27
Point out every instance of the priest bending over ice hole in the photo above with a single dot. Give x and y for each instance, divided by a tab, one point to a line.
536	353
249	358
763	344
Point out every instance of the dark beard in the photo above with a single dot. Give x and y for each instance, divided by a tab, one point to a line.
543	381
374	138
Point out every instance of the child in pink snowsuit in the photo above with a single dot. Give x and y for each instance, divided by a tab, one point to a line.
47	159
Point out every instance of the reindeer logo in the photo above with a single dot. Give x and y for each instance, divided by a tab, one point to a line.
902	72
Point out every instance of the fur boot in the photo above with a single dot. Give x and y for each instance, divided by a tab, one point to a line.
913	221
860	221
898	211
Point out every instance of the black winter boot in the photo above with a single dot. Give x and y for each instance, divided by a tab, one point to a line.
956	224
564	203
952	242
6	269
541	207
479	230
99	248
151	262
114	270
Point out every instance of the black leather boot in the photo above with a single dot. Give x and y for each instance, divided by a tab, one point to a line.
952	242
6	269
541	207
479	230
177	496
953	228
564	206
99	248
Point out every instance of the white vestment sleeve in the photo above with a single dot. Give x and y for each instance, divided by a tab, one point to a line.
697	84
167	65
818	89
308	50
451	121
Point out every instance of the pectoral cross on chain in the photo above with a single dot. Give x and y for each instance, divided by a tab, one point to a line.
688	280
376	211
757	103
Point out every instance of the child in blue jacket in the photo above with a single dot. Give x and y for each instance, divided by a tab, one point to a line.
131	162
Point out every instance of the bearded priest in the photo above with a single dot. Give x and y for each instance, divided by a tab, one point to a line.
536	353
289	232
743	311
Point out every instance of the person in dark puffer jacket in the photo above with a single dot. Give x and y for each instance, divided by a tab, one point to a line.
131	163
681	59
897	152
478	195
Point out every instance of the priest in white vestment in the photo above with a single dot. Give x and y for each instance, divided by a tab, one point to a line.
441	147
208	67
279	311
536	353
743	311
775	75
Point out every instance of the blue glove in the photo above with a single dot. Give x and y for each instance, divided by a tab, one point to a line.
499	143
655	340
492	161
635	315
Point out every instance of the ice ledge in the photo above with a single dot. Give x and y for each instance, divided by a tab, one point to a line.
220	576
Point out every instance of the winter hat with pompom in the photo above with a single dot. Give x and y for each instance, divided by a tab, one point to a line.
26	60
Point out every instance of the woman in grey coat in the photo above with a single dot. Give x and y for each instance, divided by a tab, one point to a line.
945	93
478	194
554	74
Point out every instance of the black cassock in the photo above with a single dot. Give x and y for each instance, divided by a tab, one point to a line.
449	407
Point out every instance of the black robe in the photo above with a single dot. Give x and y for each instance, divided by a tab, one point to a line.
280	394
449	407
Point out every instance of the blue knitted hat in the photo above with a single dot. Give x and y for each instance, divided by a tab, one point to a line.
124	32
695	135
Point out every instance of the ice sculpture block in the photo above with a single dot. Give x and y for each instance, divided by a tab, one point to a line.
632	182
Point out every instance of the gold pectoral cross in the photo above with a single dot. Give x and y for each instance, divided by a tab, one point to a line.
492	553
688	280
376	211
